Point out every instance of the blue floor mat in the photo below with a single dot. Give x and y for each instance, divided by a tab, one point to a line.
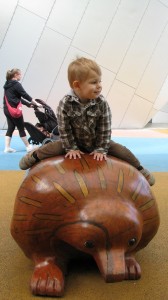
152	152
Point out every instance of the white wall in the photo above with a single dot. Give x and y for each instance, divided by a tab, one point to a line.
161	116
127	38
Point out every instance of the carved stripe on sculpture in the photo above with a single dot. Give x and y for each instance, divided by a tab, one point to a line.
38	231
64	193
30	201
48	217
81	183
102	178
131	171
147	205
151	220
109	163
39	181
60	169
120	181
84	163
137	191
20	217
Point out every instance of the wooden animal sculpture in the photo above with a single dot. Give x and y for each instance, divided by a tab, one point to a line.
66	208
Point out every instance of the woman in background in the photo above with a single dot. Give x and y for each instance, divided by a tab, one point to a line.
15	93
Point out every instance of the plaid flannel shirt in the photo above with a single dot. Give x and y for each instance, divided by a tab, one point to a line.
88	127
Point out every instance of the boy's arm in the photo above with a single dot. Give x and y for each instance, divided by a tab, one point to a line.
103	131
64	126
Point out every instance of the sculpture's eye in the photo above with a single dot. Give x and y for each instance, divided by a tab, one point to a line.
132	242
89	244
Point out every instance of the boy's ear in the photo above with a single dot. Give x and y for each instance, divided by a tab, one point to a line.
75	84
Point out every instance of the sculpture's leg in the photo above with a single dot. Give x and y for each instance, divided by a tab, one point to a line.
47	278
133	270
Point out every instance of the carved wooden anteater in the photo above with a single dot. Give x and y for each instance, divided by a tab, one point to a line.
66	207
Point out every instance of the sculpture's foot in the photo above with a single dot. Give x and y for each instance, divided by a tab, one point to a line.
47	279
133	270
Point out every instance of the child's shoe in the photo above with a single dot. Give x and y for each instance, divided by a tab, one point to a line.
149	177
9	150
27	161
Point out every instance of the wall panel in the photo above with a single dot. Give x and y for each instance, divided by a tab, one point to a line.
120	34
143	44
66	16
127	38
137	111
19	44
38	7
6	13
156	71
95	26
119	98
51	50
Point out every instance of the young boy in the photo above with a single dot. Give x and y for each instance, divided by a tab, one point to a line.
84	122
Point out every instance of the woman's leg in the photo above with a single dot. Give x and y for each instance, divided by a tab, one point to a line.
8	136
22	133
19	123
11	126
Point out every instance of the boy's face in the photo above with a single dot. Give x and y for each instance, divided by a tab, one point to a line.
90	88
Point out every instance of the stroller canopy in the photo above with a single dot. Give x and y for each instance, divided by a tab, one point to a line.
47	118
47	128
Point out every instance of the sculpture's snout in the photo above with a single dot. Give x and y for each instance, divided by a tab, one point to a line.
111	264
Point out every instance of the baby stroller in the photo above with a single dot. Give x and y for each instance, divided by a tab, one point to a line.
47	129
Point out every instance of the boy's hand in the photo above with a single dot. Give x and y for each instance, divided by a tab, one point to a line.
99	156
74	154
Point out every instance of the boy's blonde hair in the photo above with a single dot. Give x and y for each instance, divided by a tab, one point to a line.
11	73
80	68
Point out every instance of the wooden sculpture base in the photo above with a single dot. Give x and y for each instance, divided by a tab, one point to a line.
66	207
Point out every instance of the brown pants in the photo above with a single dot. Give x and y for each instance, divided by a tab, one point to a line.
115	149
